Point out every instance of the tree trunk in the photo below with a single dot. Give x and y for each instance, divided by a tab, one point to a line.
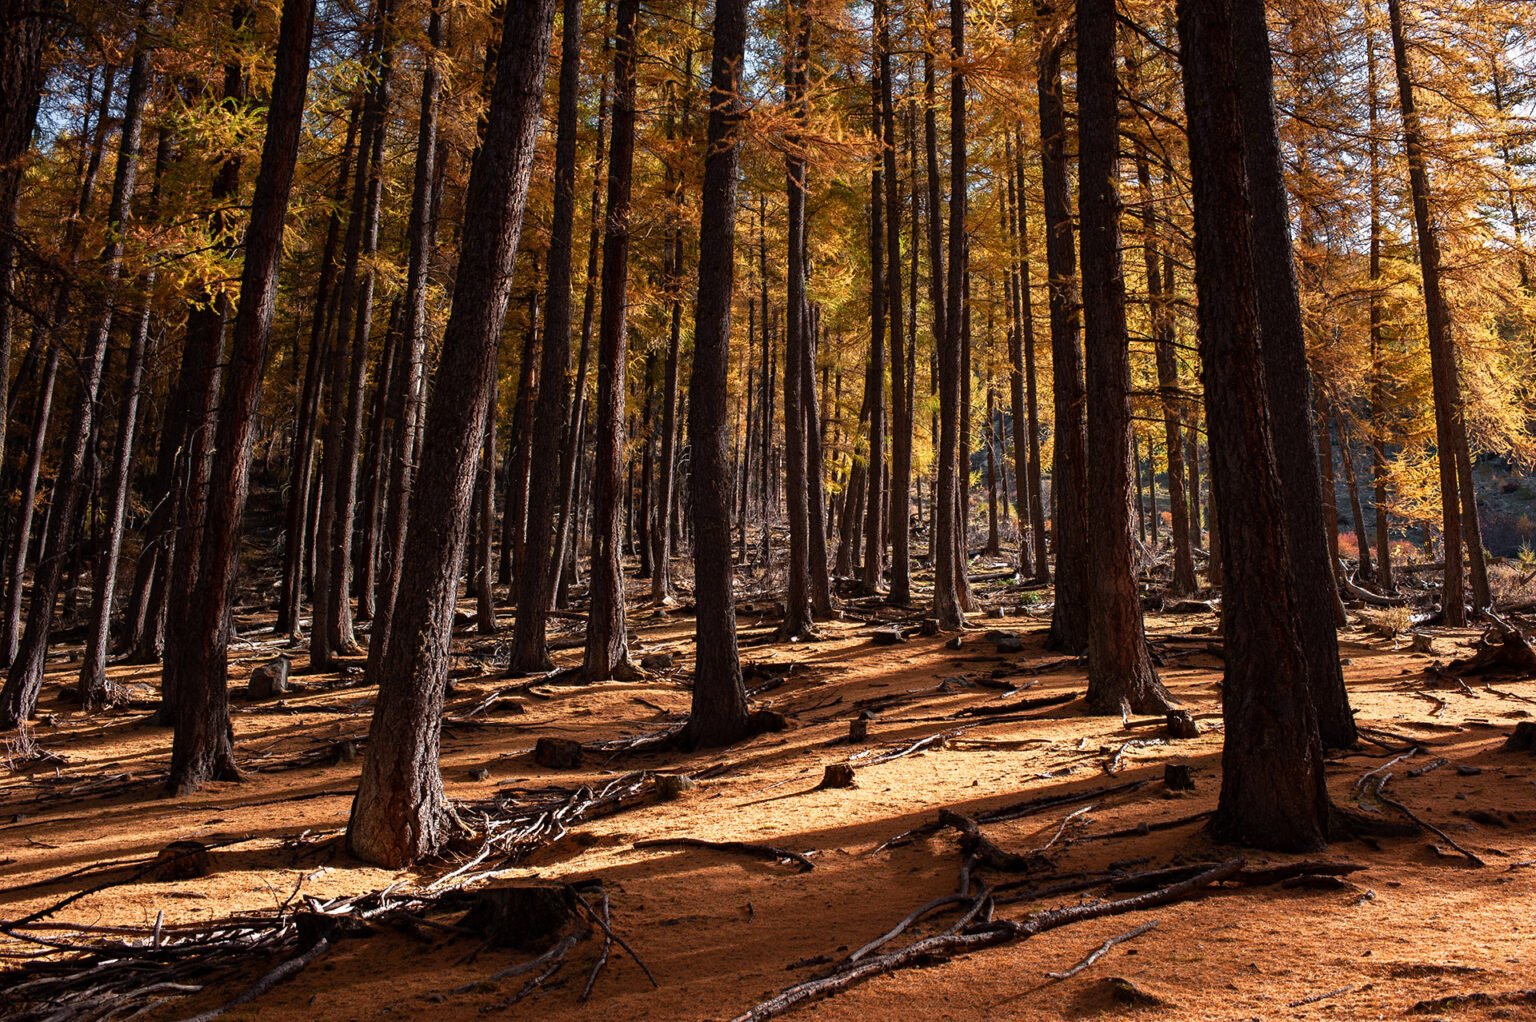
18	700
1160	295
301	479
94	688
1273	791
901	419
872	577
203	748
719	711
1289	384
1069	617
401	813
1120	671
1450	437
607	647
535	578
798	621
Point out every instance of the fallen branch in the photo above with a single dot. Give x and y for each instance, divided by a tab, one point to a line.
984	932
767	852
1103	949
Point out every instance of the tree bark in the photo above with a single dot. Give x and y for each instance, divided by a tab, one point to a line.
1069	617
901	420
1273	792
1120	671
401	813
718	715
607	646
536	575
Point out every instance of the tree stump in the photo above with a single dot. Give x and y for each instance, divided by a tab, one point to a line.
1006	641
858	730
837	775
269	680
929	627
1178	777
656	661
1522	739
670	787
182	860
524	916
1181	724
557	753
762	722
887	637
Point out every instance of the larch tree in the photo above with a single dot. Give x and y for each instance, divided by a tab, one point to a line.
400	812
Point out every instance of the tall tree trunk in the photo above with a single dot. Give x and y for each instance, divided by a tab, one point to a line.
94	688
798	621
1160	295
871	579
1379	380
901	419
1120	671
401	813
1273	791
1069	617
1459	508
949	523
18	699
301	479
203	748
536	575
607	647
563	563
719	711
1289	383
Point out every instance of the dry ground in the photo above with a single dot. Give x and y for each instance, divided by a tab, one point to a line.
721	931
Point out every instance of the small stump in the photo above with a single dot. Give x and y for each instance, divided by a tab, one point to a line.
1178	777
524	916
182	860
858	730
929	627
656	661
1181	724
343	751
1522	739
887	637
557	753
762	722
670	787
1006	641
837	775
269	680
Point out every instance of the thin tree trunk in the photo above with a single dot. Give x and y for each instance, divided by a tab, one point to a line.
535	578
1457	506
874	507
18	699
901	419
1069	617
607	646
798	619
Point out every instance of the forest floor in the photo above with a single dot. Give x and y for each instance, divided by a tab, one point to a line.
721	931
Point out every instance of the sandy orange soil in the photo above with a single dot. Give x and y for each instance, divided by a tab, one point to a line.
721	931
